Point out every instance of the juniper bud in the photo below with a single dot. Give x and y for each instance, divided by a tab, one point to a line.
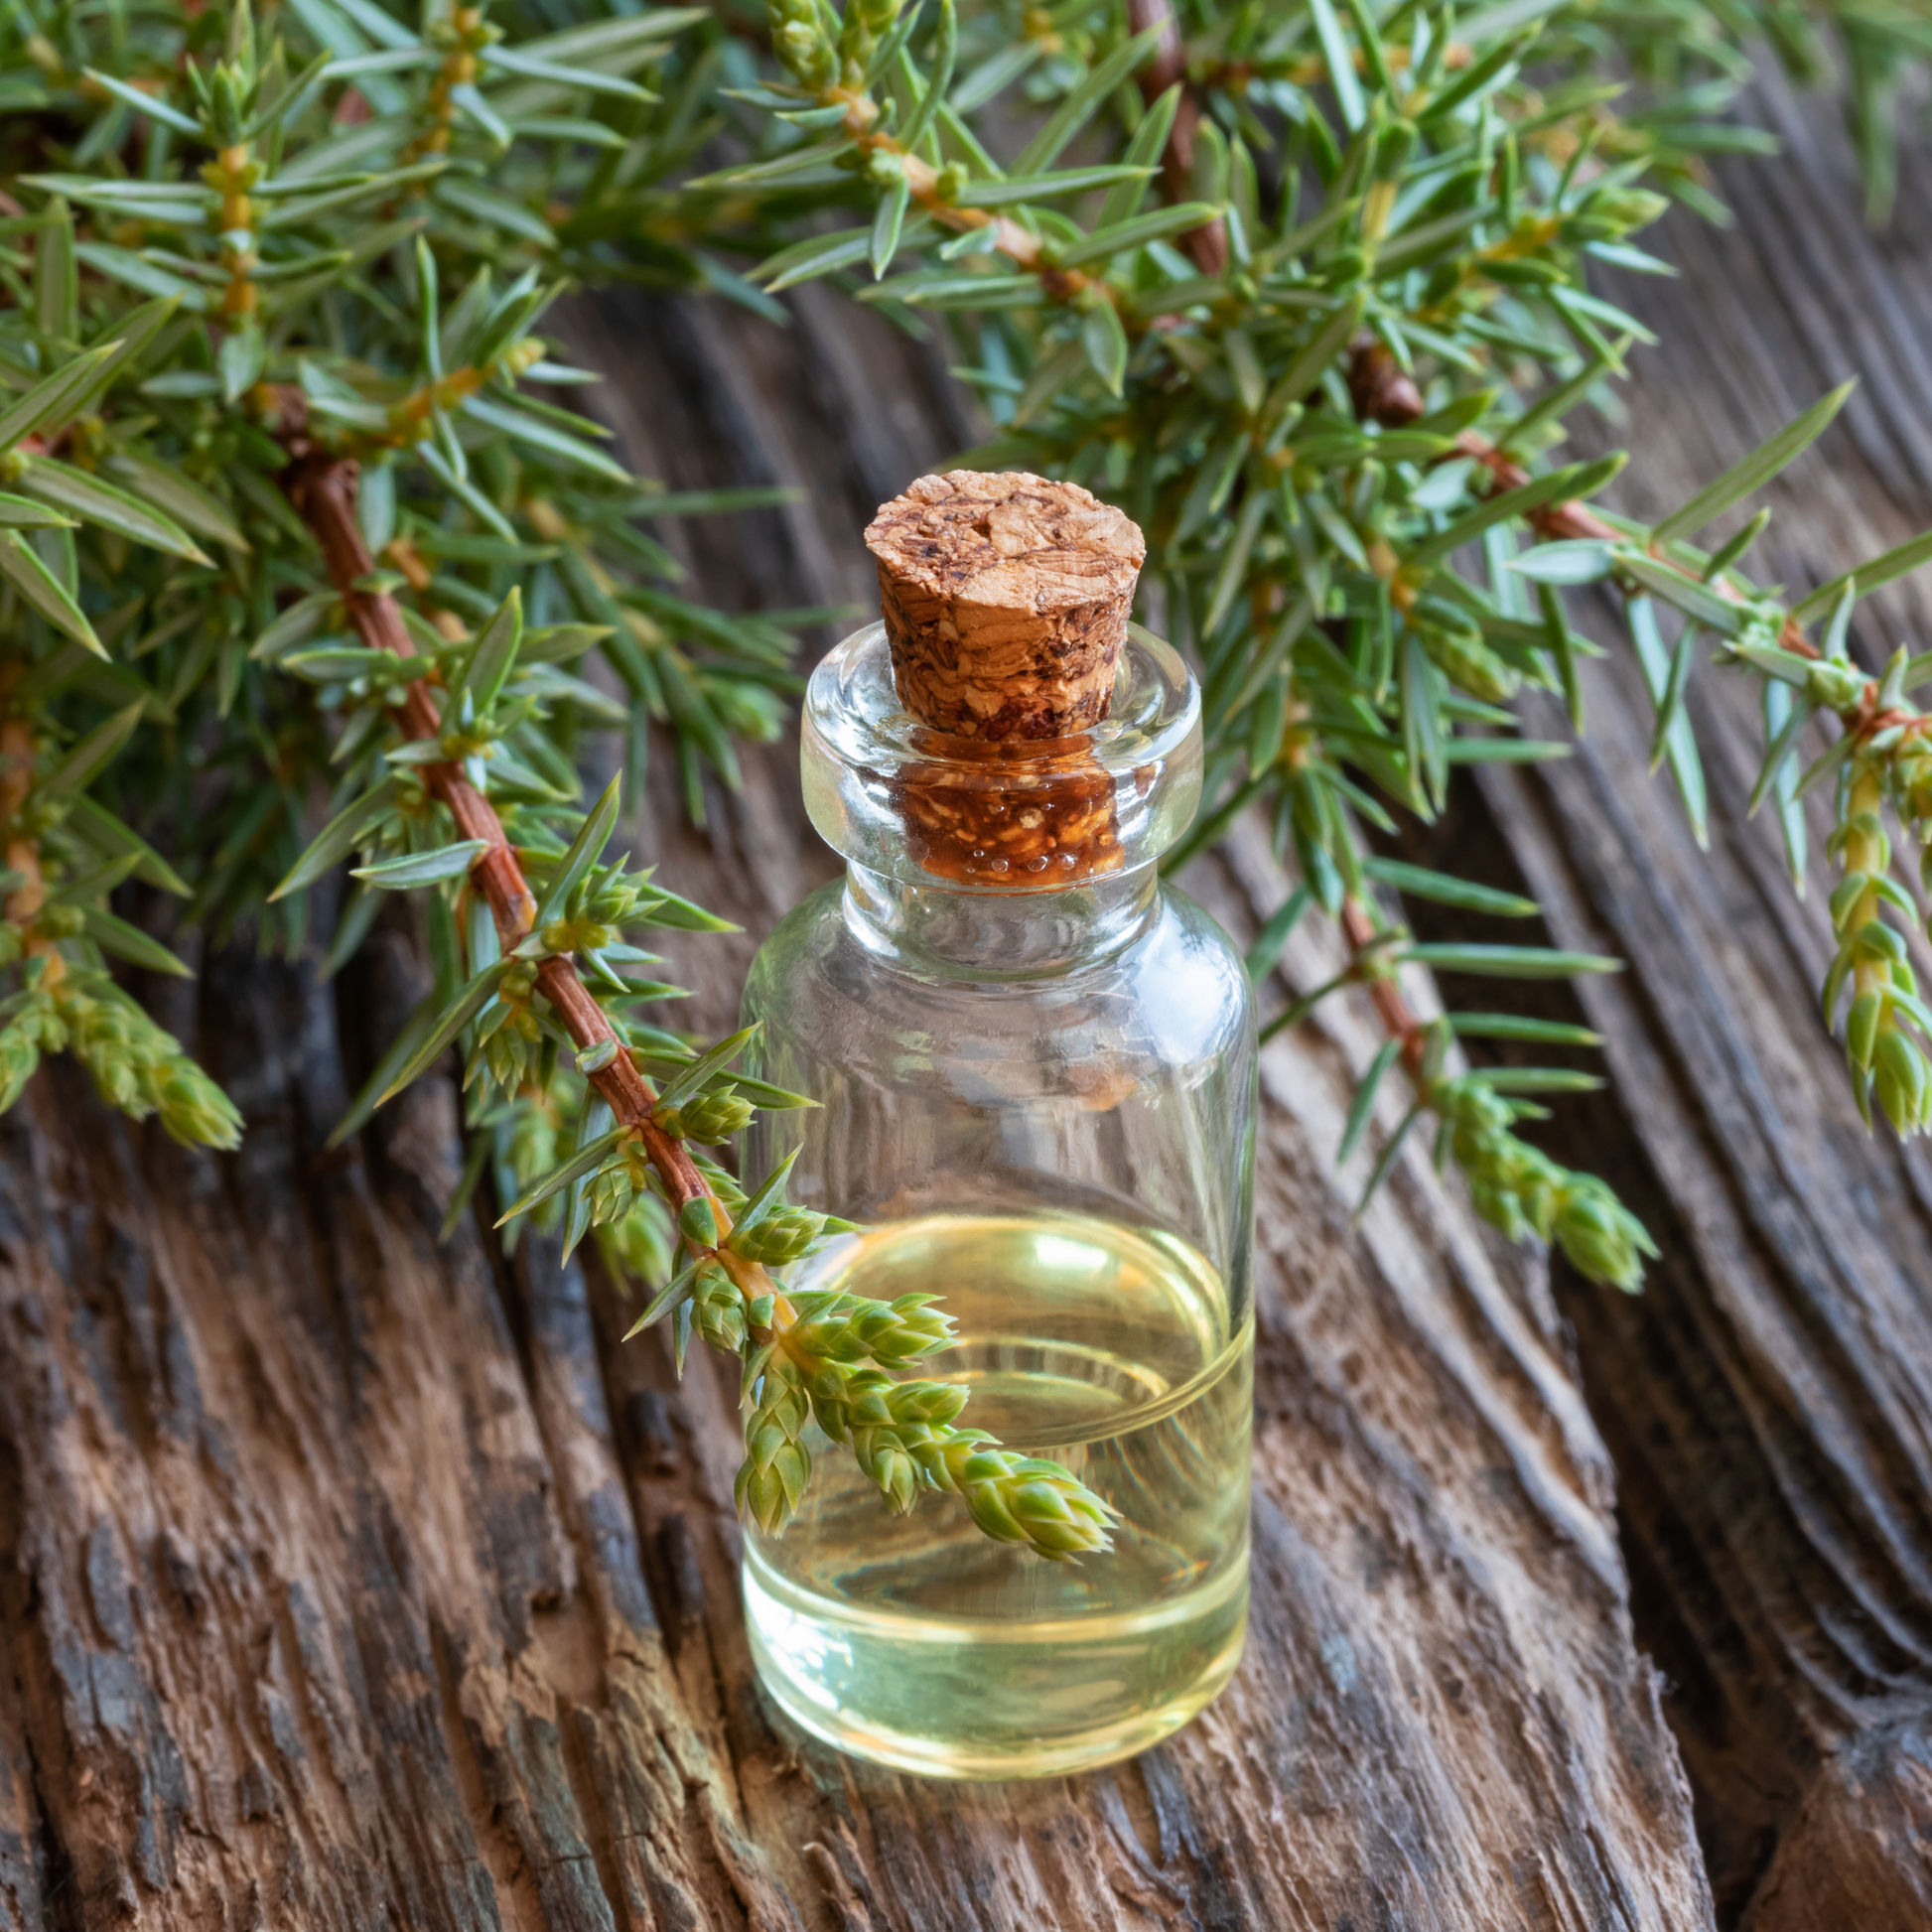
194	1110
611	1192
852	1329
698	1223
1344	266
1876	941
533	1143
707	1118
1020	1499
1903	1080
1833	684
1602	1238
776	1465
1467	661
783	1235
880	1455
720	1309
1845	897
933	1404
19	1056
1627	209
1861	1027
906	1330
633	1245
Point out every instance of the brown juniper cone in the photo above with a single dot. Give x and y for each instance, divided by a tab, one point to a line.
1005	601
1379	386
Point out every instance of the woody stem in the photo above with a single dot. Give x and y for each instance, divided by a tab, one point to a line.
23	854
1398	1016
321	486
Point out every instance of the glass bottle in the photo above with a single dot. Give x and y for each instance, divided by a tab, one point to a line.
1034	1065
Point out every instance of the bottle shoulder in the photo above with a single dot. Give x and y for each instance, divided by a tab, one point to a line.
1178	990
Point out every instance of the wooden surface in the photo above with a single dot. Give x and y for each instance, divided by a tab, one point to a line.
349	1582
1768	1402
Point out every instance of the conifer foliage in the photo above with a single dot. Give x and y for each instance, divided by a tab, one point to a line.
298	531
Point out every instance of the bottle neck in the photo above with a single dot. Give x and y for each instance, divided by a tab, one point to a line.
998	935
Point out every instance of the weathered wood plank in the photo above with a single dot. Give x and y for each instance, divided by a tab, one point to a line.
1768	1401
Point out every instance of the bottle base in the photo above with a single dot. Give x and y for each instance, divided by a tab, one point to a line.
951	1698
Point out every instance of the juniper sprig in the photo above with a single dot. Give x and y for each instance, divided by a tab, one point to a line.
279	496
1316	309
828	1356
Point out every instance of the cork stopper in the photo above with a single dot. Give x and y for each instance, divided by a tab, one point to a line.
1005	599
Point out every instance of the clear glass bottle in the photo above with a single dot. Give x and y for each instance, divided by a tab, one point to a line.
1034	1065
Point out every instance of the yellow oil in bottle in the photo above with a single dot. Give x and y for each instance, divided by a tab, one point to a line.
919	1642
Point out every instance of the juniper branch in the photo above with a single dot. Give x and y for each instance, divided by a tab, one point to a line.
321	486
1166	67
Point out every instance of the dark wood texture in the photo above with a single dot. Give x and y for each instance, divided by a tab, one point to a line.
352	1581
1768	1402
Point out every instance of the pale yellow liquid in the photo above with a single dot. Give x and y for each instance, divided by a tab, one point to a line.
921	1643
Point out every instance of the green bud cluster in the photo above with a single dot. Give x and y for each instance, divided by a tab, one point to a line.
568	935
135	1066
1453	642
901	1436
1024	1499
777	1466
613	1190
718	1307
799	41
850	1329
1835	683
1603	1240
1623	210
1520	1190
783	1235
36	1028
1911	778
898	1432
637	1245
865	21
509	1037
697	1222
532	1142
1882	1058
707	1118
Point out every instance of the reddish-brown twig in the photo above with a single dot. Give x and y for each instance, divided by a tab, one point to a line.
321	486
1208	245
1380	389
1398	1016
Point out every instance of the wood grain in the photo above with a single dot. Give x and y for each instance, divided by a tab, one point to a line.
352	1581
1770	1400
